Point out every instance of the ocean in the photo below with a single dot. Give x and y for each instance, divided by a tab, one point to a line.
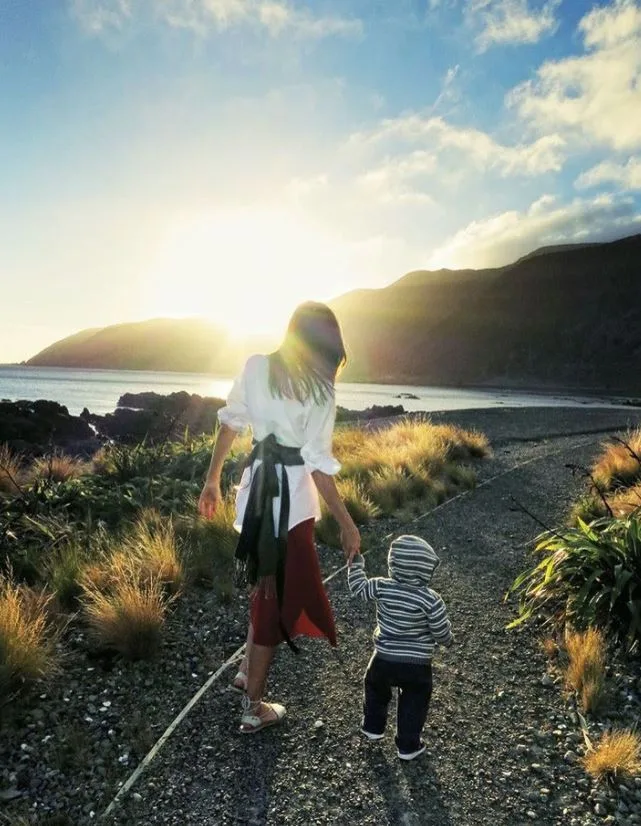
99	390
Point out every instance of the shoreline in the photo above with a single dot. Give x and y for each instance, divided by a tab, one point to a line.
516	387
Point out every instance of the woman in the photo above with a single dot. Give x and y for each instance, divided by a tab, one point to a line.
288	400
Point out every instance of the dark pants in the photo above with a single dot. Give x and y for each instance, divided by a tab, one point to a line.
414	683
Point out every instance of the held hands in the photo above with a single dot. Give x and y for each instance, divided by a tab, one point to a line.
210	499
351	541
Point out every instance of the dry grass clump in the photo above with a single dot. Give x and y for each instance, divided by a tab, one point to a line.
27	637
128	587
617	756
359	505
10	471
409	444
409	461
619	465
626	500
58	467
128	618
585	673
151	551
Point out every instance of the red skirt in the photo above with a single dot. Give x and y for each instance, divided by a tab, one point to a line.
305	608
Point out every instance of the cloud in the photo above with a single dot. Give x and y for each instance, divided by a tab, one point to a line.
543	155
626	175
508	22
276	17
595	97
96	16
503	238
395	180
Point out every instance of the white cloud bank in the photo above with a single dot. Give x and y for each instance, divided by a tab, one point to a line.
444	153
626	176
275	17
503	238
511	22
595	97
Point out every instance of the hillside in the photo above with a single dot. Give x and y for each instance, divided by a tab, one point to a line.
559	317
564	318
180	345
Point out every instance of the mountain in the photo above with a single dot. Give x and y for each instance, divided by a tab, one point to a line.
566	316
180	345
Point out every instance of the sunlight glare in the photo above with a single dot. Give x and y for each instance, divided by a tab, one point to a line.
246	269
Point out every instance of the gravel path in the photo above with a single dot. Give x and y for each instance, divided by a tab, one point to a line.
502	740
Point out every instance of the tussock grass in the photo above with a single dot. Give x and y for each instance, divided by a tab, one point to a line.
64	572
619	464
625	501
617	756
585	672
57	467
390	488
10	471
152	552
128	618
359	505
27	637
208	547
148	552
401	469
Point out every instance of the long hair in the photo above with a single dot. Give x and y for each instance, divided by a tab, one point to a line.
307	362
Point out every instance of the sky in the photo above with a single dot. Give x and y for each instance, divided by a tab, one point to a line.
230	158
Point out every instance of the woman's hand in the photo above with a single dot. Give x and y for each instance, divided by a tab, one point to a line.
350	540
210	499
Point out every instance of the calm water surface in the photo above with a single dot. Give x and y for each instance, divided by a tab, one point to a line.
99	390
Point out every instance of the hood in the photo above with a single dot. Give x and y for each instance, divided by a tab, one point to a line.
412	560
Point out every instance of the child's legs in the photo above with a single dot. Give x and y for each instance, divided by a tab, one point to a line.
414	694
378	693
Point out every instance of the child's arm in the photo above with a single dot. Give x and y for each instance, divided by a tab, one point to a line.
359	584
439	622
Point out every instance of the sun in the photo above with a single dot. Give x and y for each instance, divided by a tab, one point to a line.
245	269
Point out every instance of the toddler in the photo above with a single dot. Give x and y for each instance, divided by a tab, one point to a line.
412	618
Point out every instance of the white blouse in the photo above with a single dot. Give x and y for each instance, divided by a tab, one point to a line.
307	425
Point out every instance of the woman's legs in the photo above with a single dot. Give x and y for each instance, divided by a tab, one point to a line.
259	662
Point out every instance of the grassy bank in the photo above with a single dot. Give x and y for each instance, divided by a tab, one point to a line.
110	545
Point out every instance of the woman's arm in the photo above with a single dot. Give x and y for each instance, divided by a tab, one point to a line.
211	495
350	536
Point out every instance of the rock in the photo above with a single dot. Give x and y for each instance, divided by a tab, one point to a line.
547	681
155	417
35	427
7	795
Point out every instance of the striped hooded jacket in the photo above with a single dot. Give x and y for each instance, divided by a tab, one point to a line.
412	617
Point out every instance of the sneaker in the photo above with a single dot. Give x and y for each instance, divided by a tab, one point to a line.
371	736
411	755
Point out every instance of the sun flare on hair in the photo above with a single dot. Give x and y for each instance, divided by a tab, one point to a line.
245	269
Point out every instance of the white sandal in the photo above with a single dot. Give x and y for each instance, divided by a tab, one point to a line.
255	718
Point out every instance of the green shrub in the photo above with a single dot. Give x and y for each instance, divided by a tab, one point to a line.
591	574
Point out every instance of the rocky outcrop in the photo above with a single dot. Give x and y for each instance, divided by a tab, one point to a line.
35	427
154	418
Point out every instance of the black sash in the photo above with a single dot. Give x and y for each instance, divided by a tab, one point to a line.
260	552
